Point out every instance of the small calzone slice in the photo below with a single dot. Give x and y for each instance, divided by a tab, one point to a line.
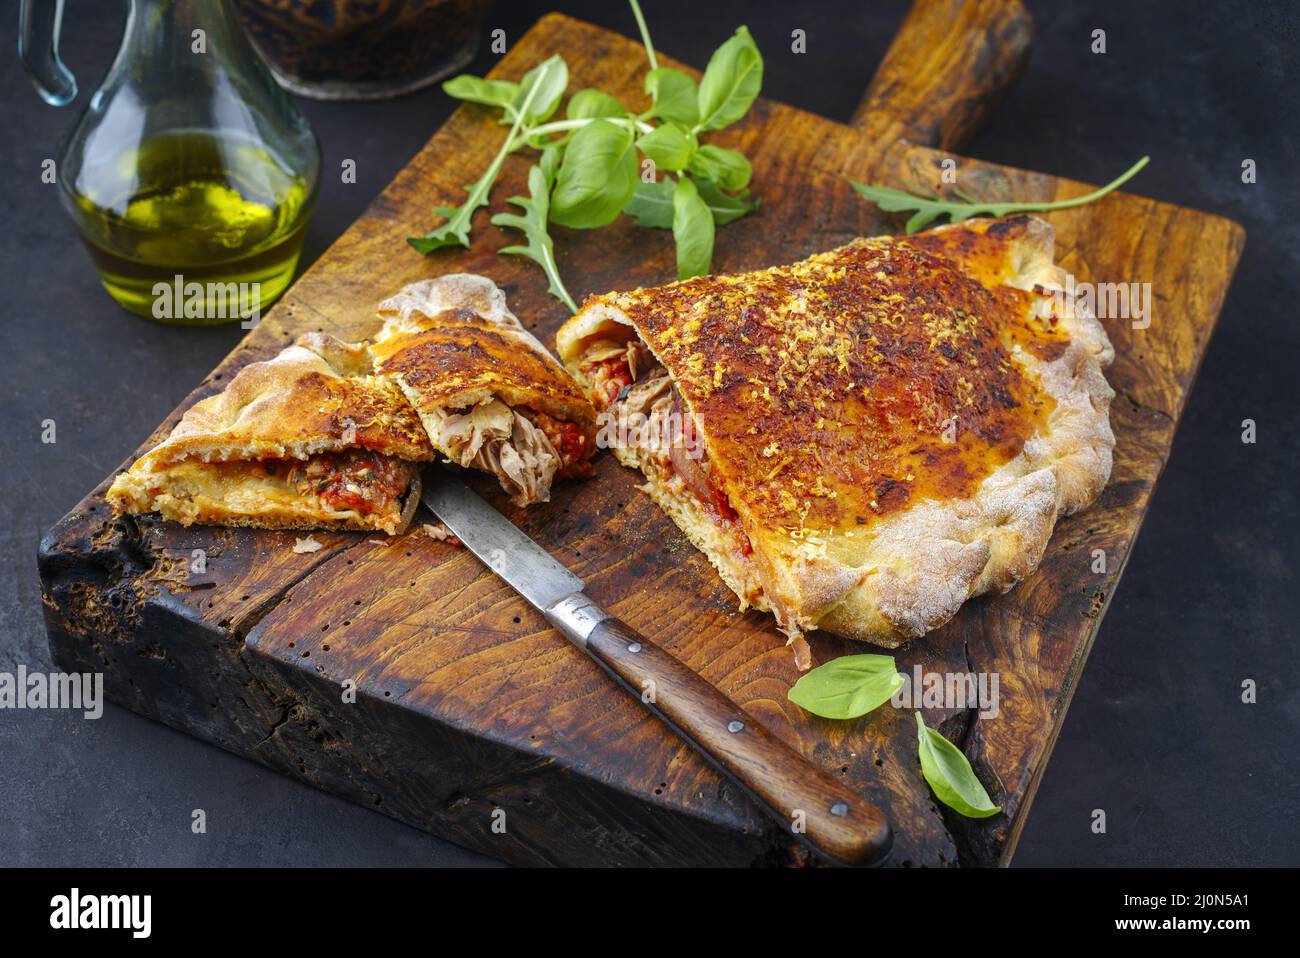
488	393
310	439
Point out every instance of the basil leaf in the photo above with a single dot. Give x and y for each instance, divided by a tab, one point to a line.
597	177
728	168
668	146
847	687
652	204
674	95
731	81
950	775
725	209
692	231
590	103
551	77
473	89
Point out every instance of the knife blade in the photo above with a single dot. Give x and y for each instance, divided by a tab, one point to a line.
818	809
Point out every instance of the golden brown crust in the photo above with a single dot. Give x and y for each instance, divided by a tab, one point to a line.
898	422
451	343
323	396
318	395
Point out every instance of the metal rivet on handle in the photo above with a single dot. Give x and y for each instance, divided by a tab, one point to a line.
634	647
735	726
840	809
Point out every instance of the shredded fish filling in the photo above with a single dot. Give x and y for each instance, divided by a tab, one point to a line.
510	445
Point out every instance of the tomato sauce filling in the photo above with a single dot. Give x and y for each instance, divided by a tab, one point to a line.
609	378
355	479
568	439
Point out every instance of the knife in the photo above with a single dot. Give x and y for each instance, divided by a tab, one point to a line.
818	809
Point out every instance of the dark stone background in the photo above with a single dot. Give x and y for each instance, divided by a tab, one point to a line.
1157	735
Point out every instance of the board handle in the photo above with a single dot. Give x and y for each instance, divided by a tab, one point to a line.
815	807
950	62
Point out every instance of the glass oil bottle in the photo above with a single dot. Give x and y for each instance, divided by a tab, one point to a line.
190	176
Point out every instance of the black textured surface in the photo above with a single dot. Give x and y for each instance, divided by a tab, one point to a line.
1157	735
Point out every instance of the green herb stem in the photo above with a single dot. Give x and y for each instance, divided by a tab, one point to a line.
925	209
509	146
1097	194
455	231
645	35
567	126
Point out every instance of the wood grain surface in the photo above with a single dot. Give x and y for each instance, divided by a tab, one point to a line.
468	708
947	67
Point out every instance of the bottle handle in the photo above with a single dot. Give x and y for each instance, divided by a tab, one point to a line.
39	23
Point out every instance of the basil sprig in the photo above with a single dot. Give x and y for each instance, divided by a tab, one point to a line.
950	776
589	172
847	687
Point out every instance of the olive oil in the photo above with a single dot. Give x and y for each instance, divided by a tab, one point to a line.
190	213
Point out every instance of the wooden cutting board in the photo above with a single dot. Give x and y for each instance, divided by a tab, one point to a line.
469	712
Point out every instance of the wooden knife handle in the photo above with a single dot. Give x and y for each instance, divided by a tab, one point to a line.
822	811
950	62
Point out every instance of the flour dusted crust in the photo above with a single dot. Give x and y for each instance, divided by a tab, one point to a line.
874	529
318	395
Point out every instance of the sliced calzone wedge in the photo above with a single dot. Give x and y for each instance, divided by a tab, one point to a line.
310	439
861	441
489	394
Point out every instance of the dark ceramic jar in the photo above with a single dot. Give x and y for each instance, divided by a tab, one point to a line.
363	49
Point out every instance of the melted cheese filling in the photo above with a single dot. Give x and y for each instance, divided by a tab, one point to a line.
319	488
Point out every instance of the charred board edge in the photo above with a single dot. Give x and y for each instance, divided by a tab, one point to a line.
112	606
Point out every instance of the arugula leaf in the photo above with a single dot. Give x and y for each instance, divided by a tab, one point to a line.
652	204
725	209
455	232
692	231
532	224
589	103
950	775
541	89
847	687
674	96
728	168
731	81
474	89
597	176
925	209
669	146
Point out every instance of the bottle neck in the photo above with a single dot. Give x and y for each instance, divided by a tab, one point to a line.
177	32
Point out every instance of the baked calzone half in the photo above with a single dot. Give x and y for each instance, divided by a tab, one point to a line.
330	434
861	441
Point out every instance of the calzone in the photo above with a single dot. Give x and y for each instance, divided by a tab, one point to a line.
863	440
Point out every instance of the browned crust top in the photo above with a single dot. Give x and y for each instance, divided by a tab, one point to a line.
848	385
462	356
308	394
